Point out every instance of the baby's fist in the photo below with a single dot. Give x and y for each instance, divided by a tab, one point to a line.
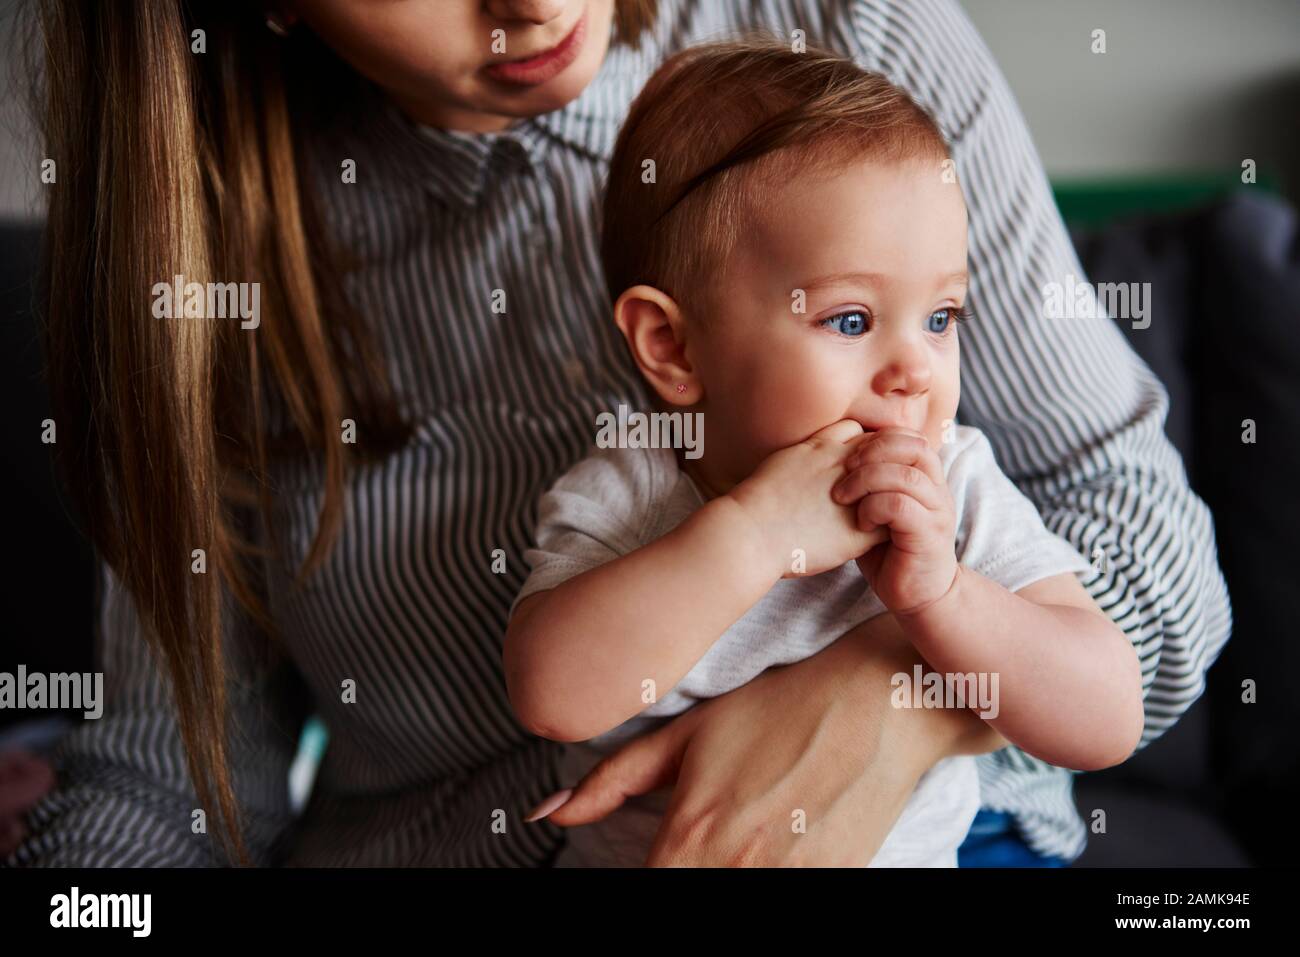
898	483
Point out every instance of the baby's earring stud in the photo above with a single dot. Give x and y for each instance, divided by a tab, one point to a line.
681	387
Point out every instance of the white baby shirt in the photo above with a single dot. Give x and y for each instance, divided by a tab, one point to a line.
618	499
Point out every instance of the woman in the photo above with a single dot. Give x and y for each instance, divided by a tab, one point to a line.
327	507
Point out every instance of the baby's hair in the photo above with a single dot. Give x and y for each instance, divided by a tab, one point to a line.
722	121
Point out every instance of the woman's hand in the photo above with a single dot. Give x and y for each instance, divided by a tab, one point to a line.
815	742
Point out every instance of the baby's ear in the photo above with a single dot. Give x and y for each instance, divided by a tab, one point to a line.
655	330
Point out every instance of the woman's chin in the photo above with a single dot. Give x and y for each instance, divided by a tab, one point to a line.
525	102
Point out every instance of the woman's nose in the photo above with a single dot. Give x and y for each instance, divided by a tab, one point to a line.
530	11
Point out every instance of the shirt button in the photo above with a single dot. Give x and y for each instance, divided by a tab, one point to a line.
512	153
575	373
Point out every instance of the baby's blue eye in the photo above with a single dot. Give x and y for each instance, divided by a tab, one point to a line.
944	317
848	323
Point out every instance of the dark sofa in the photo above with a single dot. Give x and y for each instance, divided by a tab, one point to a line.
1224	338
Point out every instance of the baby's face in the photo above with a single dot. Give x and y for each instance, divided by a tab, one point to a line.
875	257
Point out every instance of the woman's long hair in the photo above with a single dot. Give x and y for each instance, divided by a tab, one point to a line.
176	163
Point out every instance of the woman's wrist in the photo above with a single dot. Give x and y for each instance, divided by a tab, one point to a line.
870	657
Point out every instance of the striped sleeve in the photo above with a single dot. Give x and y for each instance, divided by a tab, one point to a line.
1075	418
124	796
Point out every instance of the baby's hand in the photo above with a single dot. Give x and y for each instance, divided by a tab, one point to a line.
897	481
789	499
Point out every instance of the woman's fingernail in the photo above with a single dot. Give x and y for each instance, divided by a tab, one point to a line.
549	806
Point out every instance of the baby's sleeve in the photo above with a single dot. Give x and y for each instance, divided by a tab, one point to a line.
596	512
999	531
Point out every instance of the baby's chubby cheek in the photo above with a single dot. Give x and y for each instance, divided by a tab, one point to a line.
780	404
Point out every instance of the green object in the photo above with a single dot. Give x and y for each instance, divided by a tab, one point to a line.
1092	202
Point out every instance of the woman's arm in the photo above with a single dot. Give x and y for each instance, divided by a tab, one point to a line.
818	736
124	796
572	674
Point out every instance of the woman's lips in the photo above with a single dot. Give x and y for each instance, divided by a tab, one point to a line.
542	67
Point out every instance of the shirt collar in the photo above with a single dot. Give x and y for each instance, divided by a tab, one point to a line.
452	165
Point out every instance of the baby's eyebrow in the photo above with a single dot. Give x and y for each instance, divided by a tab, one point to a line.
848	278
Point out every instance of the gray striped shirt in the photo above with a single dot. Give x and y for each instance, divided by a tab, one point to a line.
428	764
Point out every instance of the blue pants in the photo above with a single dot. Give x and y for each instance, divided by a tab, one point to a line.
993	841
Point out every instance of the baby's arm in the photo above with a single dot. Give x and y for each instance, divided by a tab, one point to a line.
1070	687
1069	682
576	655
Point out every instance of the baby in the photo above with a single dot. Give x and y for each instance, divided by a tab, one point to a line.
785	245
